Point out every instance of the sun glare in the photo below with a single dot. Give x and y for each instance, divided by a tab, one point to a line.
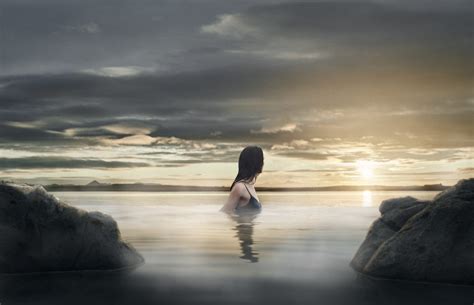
365	168
367	199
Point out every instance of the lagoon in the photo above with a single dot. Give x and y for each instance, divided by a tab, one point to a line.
296	251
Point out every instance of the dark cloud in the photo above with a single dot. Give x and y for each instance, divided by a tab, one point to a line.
52	36
236	82
355	29
188	105
58	36
235	72
211	155
9	134
231	102
59	162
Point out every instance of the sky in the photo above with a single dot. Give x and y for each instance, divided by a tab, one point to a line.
335	92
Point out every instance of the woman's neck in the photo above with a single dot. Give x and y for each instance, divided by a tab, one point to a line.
252	181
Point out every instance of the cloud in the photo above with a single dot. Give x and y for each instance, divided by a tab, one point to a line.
118	71
349	31
231	26
327	81
13	133
76	35
281	54
89	28
143	139
290	127
128	129
88	36
349	22
306	155
60	162
248	102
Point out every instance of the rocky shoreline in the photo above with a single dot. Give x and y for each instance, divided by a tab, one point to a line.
426	241
40	233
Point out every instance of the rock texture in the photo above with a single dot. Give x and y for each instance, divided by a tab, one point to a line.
423	240
39	233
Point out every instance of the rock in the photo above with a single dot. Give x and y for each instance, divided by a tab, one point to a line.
378	233
39	233
423	240
396	212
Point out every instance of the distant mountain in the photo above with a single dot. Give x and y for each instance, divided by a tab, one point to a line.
140	187
94	183
433	187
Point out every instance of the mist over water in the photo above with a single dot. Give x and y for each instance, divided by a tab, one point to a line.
296	251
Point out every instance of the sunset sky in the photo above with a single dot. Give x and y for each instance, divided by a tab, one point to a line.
170	92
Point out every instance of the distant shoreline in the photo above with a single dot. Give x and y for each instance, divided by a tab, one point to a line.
98	187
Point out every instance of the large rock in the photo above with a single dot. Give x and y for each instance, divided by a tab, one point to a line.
39	233
423	240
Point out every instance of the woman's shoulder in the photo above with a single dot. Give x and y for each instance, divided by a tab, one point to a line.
239	187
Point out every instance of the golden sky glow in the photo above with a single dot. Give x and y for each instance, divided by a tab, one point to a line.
334	92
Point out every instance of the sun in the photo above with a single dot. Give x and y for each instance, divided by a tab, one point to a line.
365	168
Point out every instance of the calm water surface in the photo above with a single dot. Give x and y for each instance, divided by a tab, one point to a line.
296	251
302	236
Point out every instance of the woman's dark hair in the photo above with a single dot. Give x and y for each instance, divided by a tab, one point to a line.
250	163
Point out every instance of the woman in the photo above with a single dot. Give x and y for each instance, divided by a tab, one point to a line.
242	195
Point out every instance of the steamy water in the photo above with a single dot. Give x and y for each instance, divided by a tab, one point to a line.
296	251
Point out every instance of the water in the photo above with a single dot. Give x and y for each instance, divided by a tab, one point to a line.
297	251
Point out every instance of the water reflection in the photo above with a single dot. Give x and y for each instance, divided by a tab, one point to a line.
244	229
367	199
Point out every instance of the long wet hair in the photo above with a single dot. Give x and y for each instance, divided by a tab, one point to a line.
250	163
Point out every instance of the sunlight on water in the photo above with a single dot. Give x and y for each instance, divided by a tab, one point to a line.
367	199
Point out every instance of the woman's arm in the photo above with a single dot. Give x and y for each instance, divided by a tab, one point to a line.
233	199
